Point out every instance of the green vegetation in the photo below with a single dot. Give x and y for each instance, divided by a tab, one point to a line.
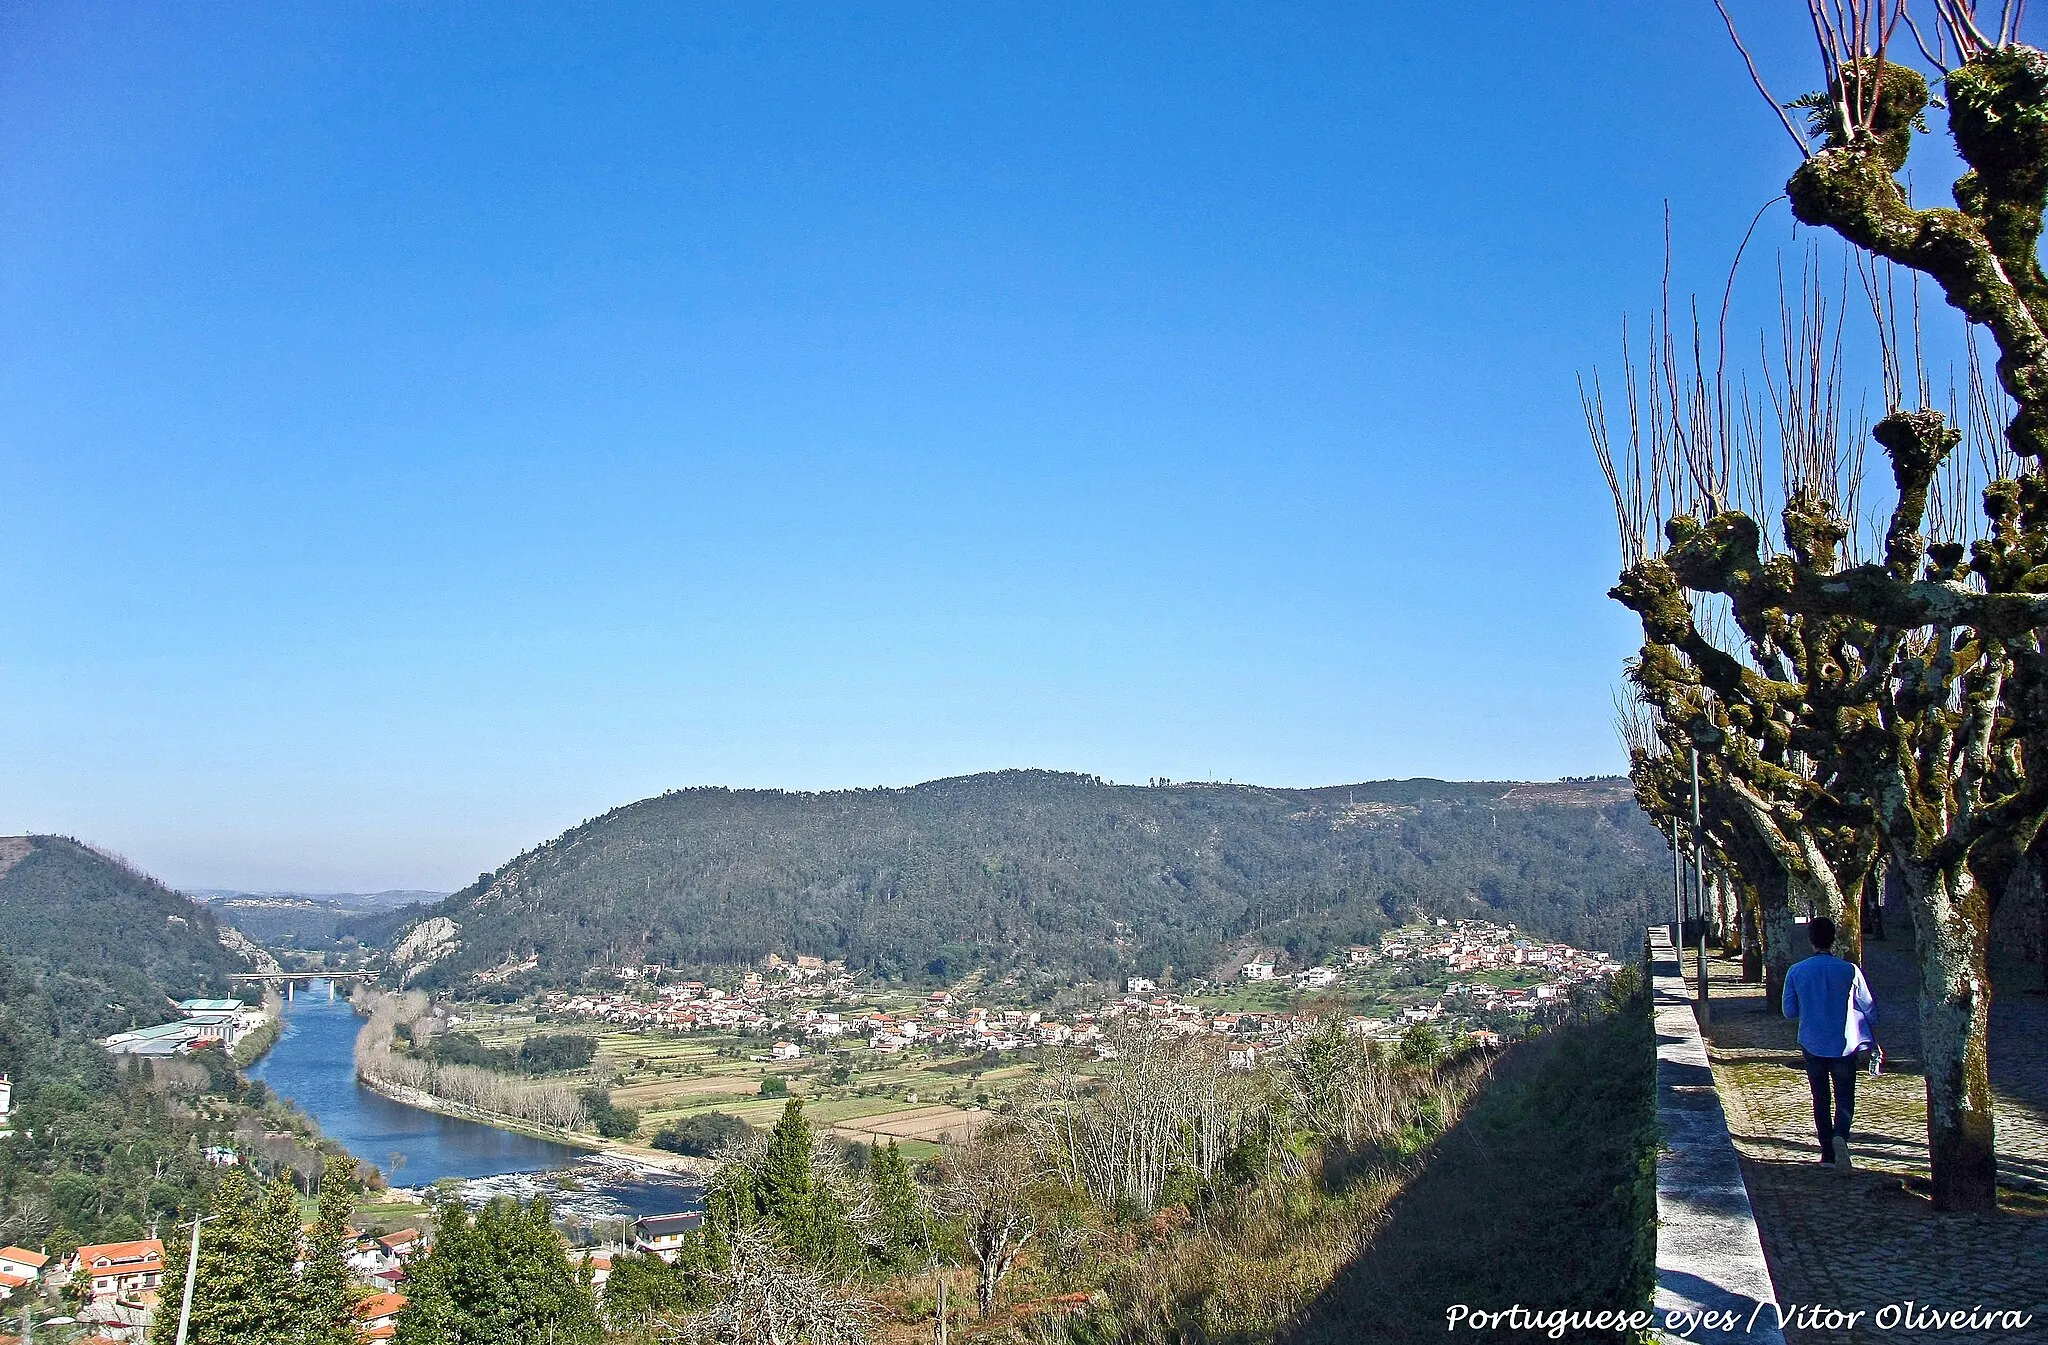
550	1053
1062	872
614	1123
545	1053
1542	1193
495	1279
253	1286
702	1135
1526	1180
109	944
104	1148
786	1219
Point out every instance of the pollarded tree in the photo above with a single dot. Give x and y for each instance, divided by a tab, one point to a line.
1959	706
1757	694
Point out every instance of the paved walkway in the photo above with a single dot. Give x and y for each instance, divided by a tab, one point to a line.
1871	1238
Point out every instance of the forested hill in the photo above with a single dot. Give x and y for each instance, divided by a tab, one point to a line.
110	945
1037	867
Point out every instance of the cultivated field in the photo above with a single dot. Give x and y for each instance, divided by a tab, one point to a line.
919	1101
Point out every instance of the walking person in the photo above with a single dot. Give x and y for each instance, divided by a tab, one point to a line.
1835	1010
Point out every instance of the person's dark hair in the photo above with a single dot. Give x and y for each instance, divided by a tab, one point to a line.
1822	931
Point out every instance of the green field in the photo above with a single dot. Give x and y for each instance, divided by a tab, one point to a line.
666	1076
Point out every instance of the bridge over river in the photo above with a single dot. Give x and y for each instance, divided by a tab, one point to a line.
290	979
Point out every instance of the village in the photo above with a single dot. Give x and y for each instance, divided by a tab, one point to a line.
1466	979
808	1005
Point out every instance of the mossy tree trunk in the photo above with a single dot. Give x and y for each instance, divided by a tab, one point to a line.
1950	922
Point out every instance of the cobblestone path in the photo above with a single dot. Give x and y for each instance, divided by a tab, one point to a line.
1870	1238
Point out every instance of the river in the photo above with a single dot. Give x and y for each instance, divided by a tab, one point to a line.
313	1064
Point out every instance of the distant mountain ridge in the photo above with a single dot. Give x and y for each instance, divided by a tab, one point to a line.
1043	869
350	901
310	920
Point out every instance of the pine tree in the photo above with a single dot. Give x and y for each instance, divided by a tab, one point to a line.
904	1229
247	1292
496	1279
325	1292
788	1188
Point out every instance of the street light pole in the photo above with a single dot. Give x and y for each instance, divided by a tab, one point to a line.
1699	890
191	1274
1677	898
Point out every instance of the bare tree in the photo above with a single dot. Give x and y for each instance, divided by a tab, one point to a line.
765	1296
986	1185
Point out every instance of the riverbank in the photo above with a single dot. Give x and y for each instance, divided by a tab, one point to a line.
423	1101
257	1043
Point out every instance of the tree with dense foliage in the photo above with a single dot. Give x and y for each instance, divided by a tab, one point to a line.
642	1290
702	1135
903	1233
248	1290
326	1288
499	1276
612	1122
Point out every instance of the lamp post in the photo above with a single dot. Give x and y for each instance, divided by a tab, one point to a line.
1678	898
1703	735
191	1274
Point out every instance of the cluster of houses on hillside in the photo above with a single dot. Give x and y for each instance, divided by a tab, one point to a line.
798	999
1479	945
761	1002
200	1024
1464	946
119	1284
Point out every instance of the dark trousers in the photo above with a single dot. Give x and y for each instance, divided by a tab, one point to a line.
1836	1074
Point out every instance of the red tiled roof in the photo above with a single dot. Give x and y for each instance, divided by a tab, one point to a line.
23	1255
115	1253
380	1305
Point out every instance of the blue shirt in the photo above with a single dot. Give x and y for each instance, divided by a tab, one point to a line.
1832	1002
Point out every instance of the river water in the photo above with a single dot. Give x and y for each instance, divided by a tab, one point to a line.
313	1064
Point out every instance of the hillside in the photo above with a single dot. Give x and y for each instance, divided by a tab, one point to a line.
105	1150
108	943
1043	869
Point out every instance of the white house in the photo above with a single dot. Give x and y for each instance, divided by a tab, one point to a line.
662	1234
1317	976
1140	985
1260	970
785	1050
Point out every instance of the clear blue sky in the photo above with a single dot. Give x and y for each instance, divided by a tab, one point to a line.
423	426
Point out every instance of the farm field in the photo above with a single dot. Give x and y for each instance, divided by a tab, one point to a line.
917	1100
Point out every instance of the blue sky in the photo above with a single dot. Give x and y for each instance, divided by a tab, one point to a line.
425	426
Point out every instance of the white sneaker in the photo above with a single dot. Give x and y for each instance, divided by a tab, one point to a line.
1842	1161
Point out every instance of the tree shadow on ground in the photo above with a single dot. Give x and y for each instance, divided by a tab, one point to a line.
1542	1195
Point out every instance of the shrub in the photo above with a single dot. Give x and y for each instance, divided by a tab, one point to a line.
702	1135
